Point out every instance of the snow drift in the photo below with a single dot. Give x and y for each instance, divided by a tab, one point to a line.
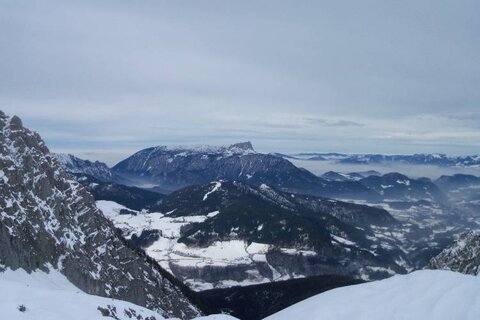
421	295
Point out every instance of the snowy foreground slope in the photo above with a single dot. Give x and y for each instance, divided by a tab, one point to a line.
421	295
50	296
48	221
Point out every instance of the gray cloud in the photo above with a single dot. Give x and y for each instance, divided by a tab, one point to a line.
335	123
317	75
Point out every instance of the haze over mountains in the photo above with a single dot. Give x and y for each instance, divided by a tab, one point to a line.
416	159
239	160
177	229
206	182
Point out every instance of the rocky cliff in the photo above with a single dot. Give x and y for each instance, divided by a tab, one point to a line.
462	256
49	222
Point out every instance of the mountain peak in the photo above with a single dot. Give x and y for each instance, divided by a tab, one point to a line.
16	123
75	165
240	148
246	146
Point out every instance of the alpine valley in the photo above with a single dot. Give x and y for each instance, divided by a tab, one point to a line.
226	231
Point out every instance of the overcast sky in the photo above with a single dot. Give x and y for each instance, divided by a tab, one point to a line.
102	79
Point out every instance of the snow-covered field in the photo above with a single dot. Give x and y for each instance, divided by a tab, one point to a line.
50	296
421	295
167	250
171	254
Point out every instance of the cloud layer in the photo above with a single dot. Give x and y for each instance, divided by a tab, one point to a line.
104	78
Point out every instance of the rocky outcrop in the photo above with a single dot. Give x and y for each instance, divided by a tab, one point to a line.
462	256
96	169
49	221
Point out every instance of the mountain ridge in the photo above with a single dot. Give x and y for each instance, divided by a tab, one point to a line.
50	221
415	159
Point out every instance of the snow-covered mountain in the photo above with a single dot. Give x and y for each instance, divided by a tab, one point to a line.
418	204
350	176
49	222
462	256
393	185
396	186
462	189
228	233
421	295
457	181
96	169
171	168
415	159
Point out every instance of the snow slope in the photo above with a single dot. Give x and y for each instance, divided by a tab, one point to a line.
421	295
50	296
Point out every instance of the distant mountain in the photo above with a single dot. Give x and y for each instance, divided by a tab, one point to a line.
282	155
415	159
365	174
457	181
396	186
172	168
351	176
131	197
336	176
50	223
98	170
319	156
463	191
461	256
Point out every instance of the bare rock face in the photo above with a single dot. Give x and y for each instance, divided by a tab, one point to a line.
74	165
462	256
48	221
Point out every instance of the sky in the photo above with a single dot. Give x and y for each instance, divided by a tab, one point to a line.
103	79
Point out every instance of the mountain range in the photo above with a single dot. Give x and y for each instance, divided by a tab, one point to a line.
427	209
166	169
436	159
171	168
224	233
177	229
